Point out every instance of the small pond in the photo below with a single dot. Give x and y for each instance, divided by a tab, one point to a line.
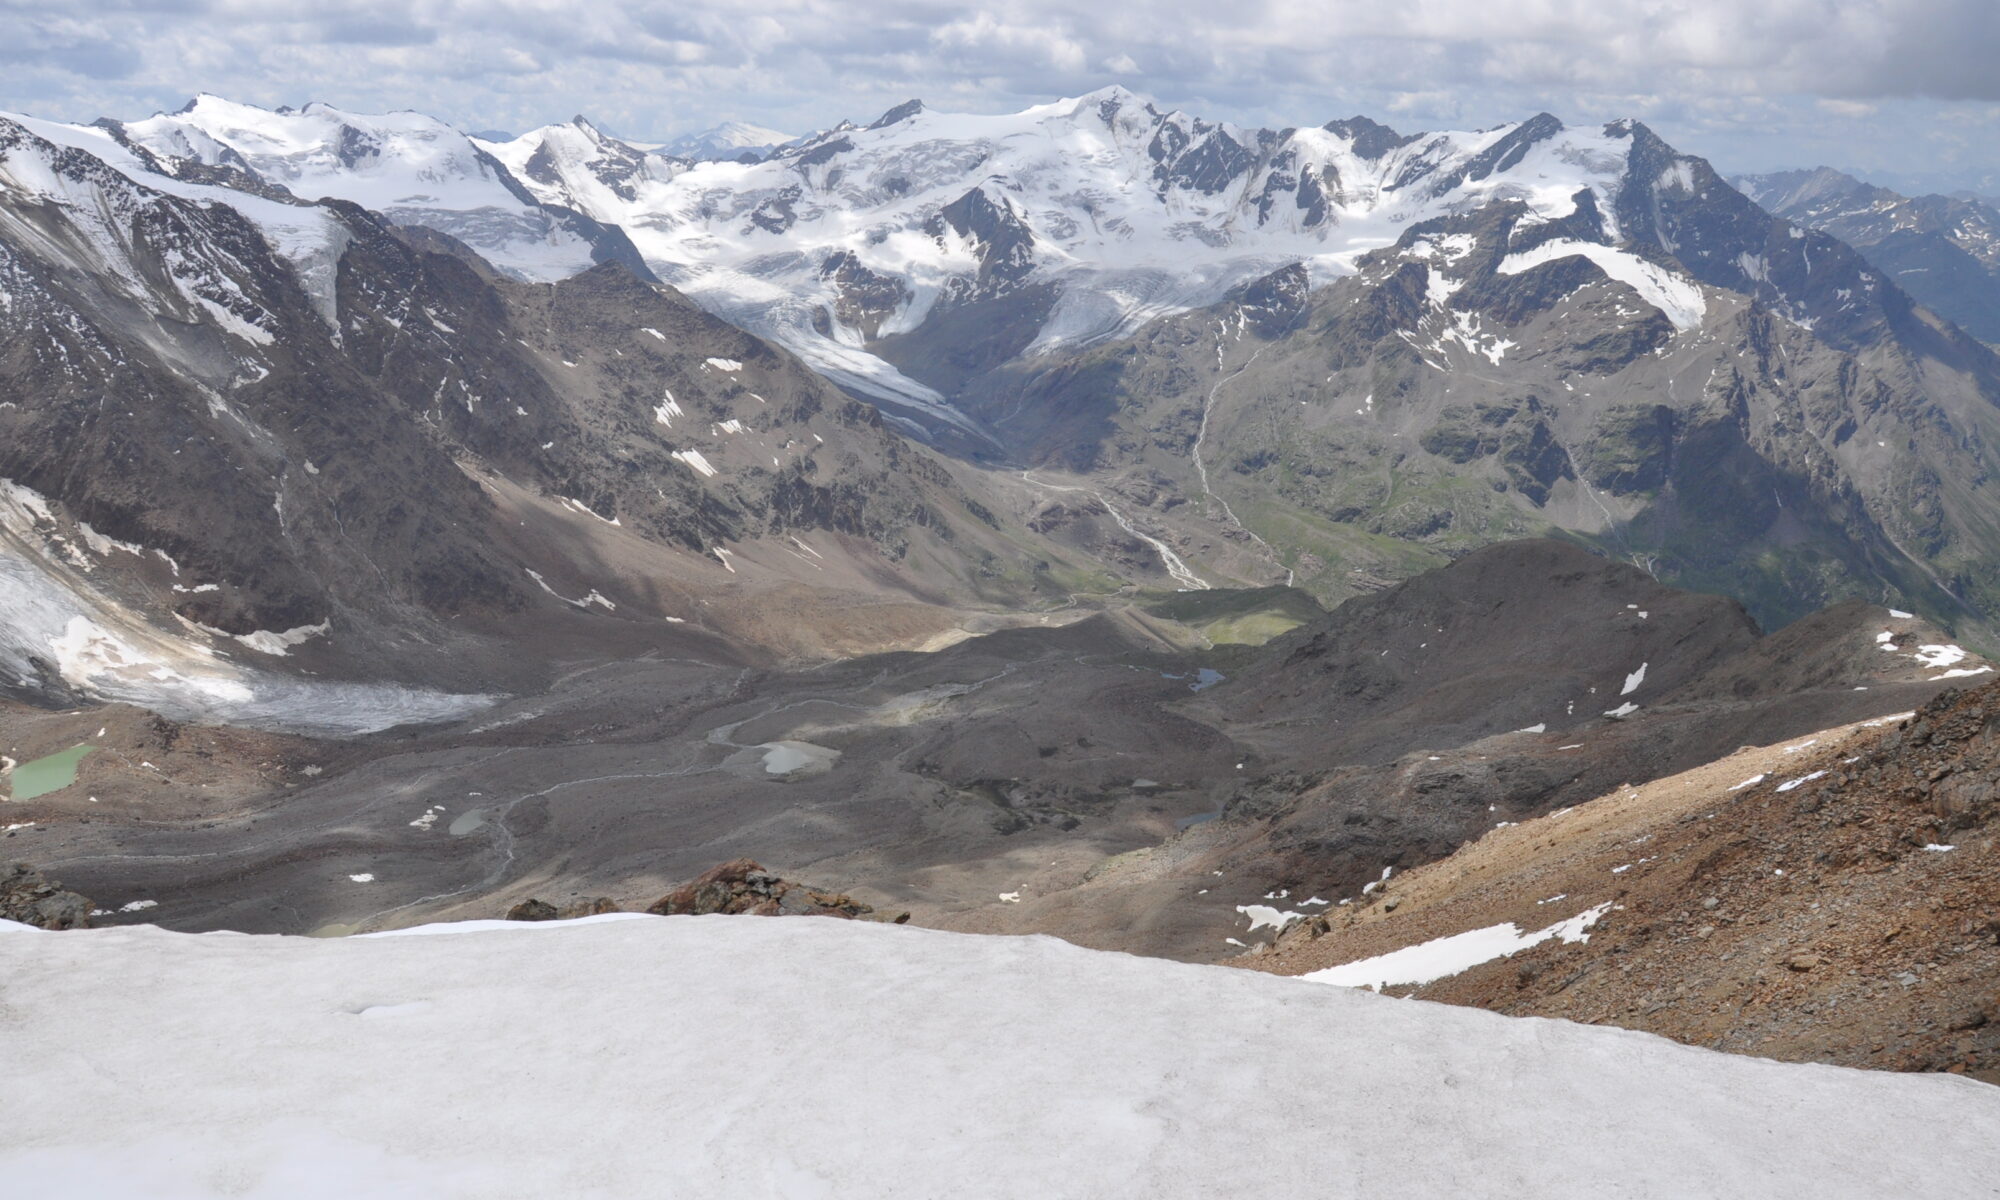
51	773
1203	679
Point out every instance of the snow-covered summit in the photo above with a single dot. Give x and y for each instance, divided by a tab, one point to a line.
652	1056
606	170
411	168
102	191
725	141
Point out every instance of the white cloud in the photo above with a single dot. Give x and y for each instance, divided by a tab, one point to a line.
989	41
654	67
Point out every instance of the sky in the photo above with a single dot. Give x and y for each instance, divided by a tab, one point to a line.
1903	91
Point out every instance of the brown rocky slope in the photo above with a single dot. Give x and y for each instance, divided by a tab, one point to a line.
1834	899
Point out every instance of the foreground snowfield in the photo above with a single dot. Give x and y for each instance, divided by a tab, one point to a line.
678	1056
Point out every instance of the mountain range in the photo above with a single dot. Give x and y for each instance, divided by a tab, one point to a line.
1330	356
1943	250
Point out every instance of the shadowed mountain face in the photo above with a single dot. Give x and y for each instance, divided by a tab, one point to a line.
1943	250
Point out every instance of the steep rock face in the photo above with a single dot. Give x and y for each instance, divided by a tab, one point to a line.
1943	250
234	395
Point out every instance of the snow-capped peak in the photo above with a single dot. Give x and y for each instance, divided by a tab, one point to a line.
1100	211
724	141
101	186
1127	212
411	168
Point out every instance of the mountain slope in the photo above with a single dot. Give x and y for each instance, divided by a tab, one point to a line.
1331	356
1943	250
1338	355
1522	679
332	444
1667	371
1827	899
1097	769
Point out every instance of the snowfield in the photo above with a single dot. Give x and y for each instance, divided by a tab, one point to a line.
799	1058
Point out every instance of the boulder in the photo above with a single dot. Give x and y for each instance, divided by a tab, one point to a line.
532	909
26	896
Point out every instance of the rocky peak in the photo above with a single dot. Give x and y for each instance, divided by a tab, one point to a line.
1006	243
1370	139
1502	155
1108	102
899	114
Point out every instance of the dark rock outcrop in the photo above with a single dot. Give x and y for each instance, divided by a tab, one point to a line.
31	898
533	909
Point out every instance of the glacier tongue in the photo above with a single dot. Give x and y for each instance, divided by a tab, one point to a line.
55	618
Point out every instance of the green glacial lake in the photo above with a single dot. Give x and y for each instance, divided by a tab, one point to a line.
52	773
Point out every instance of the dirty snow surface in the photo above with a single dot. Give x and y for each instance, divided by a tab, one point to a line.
680	1056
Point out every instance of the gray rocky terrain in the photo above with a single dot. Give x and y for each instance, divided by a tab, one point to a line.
1088	779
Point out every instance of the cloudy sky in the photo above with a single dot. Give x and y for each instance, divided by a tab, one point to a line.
1905	90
